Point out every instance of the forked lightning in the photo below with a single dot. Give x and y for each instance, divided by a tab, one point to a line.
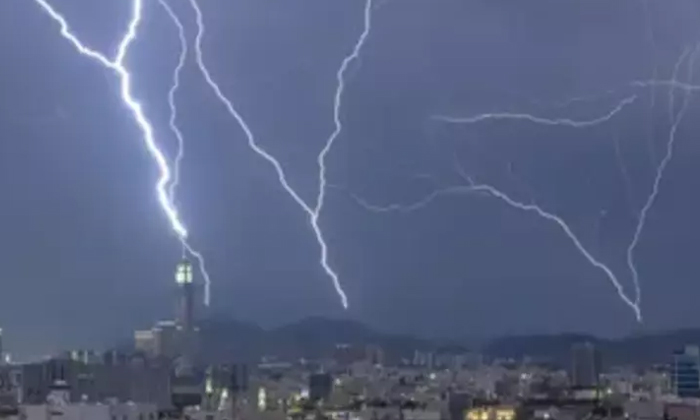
168	180
675	119
472	187
313	212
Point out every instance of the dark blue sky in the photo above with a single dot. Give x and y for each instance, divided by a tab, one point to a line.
87	254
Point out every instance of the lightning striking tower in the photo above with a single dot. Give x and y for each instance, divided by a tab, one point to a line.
313	212
118	66
172	123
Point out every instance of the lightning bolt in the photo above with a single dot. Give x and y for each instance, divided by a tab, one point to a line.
118	66
312	212
534	208
172	123
472	187
676	119
535	119
687	87
492	191
337	102
417	205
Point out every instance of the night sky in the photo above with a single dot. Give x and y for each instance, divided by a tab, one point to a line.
87	255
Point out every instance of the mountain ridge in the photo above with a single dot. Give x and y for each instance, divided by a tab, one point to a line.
225	339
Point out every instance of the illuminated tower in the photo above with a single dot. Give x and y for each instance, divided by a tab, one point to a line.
184	313
186	383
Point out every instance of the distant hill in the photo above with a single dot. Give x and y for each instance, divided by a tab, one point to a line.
225	339
650	348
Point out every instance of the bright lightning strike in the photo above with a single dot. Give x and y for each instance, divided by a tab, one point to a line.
118	66
314	212
537	120
322	183
172	122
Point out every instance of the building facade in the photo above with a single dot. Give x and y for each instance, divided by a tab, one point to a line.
685	372
585	365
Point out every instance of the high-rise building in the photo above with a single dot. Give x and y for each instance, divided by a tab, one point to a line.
184	311
585	366
176	339
685	372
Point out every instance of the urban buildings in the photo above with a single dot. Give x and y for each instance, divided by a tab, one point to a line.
685	372
163	376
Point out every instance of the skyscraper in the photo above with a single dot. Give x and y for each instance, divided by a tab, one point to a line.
184	312
585	366
187	382
685	372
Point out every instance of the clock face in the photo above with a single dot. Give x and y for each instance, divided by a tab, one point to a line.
183	274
